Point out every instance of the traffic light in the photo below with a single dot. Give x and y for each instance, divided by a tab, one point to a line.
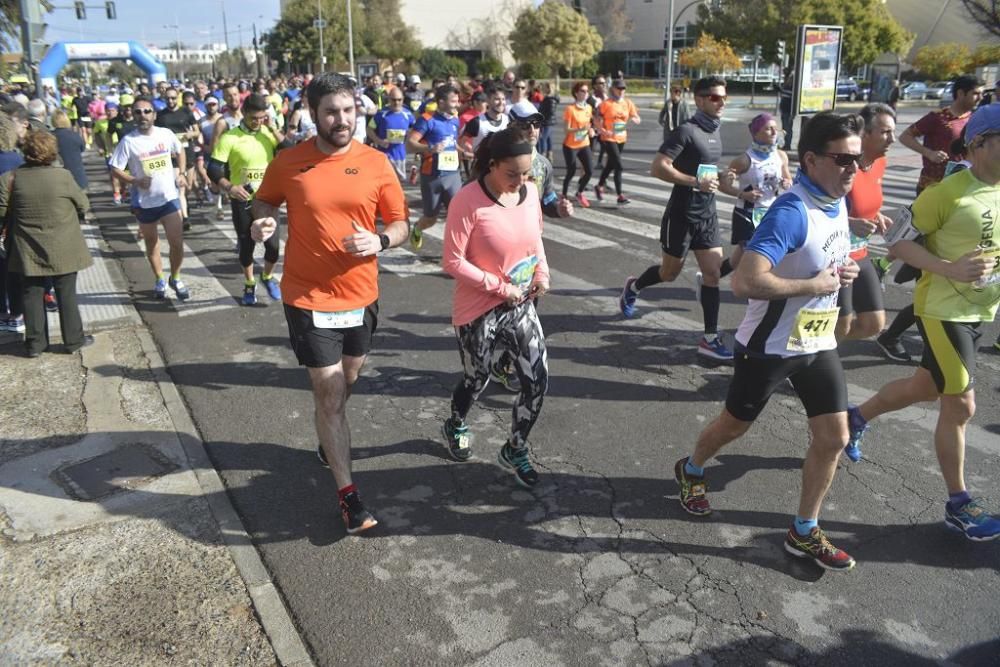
781	52
666	36
756	52
81	10
109	7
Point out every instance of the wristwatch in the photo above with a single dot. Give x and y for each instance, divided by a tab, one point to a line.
384	238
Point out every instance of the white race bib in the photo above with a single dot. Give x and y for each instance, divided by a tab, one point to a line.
341	319
448	161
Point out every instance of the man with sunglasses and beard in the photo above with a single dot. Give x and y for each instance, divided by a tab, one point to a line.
334	188
182	122
791	272
688	159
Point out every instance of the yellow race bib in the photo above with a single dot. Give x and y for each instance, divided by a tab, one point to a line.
395	136
156	165
448	161
253	177
814	330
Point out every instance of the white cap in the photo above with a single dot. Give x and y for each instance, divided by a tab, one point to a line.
524	110
414	80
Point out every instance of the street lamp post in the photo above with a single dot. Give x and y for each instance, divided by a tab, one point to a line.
177	47
671	25
320	24
350	39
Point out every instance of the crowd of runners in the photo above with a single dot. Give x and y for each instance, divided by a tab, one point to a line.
331	158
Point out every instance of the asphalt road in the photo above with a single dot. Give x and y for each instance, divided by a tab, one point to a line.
598	564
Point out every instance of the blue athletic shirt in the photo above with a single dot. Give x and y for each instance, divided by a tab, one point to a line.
435	131
392	125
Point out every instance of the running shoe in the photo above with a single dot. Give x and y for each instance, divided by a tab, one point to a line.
187	225
971	519
13	324
160	289
881	265
818	548
459	440
627	299
116	199
505	377
715	349
893	348
856	427
273	288
582	200
699	279
693	490
416	238
413	175
623	200
219	214
179	288
51	304
599	192
517	460
356	517
250	295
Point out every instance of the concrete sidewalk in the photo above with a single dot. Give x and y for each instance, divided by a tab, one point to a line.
118	543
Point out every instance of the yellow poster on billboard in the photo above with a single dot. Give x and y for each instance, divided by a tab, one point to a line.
818	64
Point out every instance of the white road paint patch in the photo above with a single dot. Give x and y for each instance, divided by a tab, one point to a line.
908	635
806	608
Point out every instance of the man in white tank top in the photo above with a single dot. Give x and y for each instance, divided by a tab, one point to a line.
492	120
796	262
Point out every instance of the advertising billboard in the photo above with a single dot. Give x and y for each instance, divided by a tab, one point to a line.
817	66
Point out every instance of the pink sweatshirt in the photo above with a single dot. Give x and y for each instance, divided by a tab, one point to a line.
486	245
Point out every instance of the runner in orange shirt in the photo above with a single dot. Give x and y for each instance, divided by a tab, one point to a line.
579	131
334	188
615	113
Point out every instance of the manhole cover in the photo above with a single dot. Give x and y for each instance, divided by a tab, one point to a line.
125	468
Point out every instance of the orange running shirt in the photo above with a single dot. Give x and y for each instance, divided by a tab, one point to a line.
579	121
325	194
614	117
865	201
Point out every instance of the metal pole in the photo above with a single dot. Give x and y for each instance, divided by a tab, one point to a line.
225	30
322	58
753	83
670	54
256	52
350	39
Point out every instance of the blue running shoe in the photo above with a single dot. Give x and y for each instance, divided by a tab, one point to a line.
160	289
715	349
971	519
627	300
250	295
179	288
273	290
857	426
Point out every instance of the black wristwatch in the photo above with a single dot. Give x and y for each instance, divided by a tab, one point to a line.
384	238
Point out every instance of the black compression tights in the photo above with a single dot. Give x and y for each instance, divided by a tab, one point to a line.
570	155
614	151
242	220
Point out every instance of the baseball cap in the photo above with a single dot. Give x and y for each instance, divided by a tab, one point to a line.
401	77
524	111
618	83
414	80
211	99
126	99
985	119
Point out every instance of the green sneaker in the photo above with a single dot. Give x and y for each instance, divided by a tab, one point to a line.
416	238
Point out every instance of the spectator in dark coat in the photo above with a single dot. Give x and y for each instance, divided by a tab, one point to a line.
71	147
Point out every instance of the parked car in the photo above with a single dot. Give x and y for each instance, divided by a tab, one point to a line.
948	95
936	89
848	89
914	90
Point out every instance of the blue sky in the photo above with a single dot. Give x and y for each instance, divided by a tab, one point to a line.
200	21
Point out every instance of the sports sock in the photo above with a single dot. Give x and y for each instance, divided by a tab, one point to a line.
265	276
956	500
346	491
175	276
692	469
650	276
249	282
726	268
804	526
855	421
710	308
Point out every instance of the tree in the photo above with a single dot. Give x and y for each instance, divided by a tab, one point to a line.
985	54
554	35
869	28
125	71
710	55
943	61
986	13
435	64
489	67
295	35
609	17
385	35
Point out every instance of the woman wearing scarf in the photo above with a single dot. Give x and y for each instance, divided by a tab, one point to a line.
493	248
754	178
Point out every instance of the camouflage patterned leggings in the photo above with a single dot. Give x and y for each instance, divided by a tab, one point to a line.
518	331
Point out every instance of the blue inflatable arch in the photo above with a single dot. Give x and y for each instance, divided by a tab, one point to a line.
61	53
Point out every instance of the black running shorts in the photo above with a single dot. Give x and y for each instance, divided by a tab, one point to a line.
682	229
317	348
949	353
865	294
818	380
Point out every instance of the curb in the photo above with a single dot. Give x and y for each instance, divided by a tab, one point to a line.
274	616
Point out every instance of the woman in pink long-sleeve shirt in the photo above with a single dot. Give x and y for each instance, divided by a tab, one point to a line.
493	248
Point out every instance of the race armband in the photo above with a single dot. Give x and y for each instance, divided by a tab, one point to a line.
902	228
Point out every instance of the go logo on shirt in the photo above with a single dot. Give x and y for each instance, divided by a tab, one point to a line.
351	171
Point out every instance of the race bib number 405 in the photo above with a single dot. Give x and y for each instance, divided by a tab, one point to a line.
814	330
254	177
156	165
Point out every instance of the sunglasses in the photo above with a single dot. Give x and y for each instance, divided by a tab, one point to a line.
716	98
529	123
144	111
844	159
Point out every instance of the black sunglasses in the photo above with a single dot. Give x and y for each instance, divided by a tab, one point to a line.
844	159
144	111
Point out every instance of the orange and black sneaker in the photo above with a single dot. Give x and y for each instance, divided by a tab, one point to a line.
693	489
356	517
818	548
